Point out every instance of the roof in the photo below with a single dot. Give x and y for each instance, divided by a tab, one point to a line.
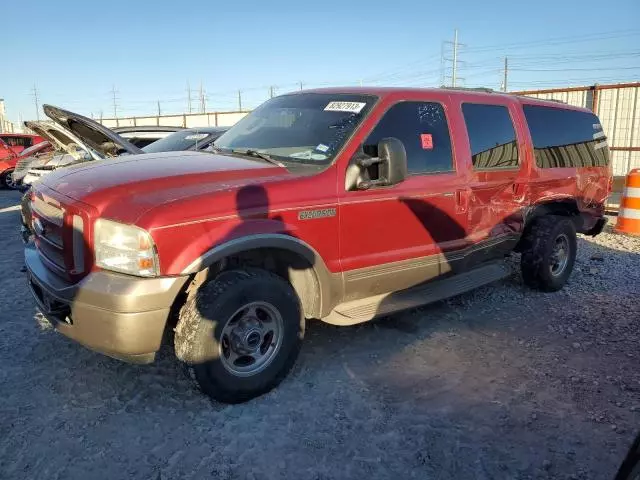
480	92
30	135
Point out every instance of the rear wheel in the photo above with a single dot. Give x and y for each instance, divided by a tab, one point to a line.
240	334
6	179
549	253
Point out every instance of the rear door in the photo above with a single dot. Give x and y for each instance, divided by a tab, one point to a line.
395	237
497	180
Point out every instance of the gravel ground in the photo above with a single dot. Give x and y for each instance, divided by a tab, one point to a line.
501	383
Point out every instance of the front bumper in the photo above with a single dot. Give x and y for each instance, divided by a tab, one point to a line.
118	315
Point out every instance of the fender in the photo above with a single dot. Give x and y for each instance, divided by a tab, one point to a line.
330	284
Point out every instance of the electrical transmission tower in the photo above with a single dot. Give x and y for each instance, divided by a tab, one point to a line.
450	62
34	92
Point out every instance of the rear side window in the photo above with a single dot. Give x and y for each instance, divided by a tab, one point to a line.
566	138
491	136
423	130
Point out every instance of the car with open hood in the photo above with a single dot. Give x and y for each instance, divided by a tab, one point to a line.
89	140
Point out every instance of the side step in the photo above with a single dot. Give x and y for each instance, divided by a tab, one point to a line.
358	311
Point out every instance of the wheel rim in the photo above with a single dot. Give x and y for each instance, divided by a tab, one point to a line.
8	180
559	255
251	339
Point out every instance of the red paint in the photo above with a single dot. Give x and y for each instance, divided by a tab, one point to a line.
190	202
427	141
9	157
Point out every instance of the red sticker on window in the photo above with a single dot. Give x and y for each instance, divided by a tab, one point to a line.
427	141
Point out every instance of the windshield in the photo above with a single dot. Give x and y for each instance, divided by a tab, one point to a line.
38	146
182	140
299	128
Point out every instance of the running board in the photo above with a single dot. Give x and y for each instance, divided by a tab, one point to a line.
358	311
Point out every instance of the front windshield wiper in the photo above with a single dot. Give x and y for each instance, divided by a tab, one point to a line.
257	154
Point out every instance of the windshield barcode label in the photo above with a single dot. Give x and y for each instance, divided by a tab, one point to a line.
351	107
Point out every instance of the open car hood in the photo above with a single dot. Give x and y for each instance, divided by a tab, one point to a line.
59	137
98	137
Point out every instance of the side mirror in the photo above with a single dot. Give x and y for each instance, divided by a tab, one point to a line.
388	168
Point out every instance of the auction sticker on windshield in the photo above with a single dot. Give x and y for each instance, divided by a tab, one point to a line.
196	136
351	107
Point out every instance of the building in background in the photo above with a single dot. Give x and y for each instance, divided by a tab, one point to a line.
5	125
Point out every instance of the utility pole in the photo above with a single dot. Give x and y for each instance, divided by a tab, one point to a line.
300	85
159	113
101	116
35	98
115	104
239	101
188	96
506	73
455	58
271	91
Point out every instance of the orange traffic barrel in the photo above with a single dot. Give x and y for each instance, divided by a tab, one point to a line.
629	214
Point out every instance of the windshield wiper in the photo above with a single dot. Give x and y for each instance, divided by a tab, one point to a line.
255	153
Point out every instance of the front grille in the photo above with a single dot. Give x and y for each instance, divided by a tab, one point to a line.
48	229
58	232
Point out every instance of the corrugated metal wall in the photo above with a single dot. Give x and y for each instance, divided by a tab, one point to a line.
618	107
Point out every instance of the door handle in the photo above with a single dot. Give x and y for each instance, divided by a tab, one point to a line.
519	190
462	201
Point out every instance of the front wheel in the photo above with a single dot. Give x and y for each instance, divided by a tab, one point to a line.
549	253
6	179
240	334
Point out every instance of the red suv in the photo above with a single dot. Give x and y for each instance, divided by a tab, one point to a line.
341	205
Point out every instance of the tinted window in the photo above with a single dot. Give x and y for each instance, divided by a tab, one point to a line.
183	140
566	138
422	128
491	136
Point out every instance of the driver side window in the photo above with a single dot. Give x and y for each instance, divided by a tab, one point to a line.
423	130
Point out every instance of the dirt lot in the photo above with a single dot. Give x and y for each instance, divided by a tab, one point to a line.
501	383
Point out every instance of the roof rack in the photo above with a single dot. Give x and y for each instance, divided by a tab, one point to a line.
543	99
472	89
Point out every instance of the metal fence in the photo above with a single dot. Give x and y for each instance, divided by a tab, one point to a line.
187	120
619	111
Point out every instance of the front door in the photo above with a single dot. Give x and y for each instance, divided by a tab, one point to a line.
396	237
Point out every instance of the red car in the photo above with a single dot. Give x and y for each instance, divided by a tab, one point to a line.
17	142
338	204
10	155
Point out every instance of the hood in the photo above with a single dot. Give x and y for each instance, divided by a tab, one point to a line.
126	187
60	138
98	137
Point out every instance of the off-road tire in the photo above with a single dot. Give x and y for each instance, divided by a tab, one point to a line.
203	317
6	181
536	259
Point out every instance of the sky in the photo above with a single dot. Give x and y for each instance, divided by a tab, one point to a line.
78	53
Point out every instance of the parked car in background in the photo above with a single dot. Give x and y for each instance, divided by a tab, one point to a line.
8	165
17	142
67	149
141	136
89	141
337	204
199	138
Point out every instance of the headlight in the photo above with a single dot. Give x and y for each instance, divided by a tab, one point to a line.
125	248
